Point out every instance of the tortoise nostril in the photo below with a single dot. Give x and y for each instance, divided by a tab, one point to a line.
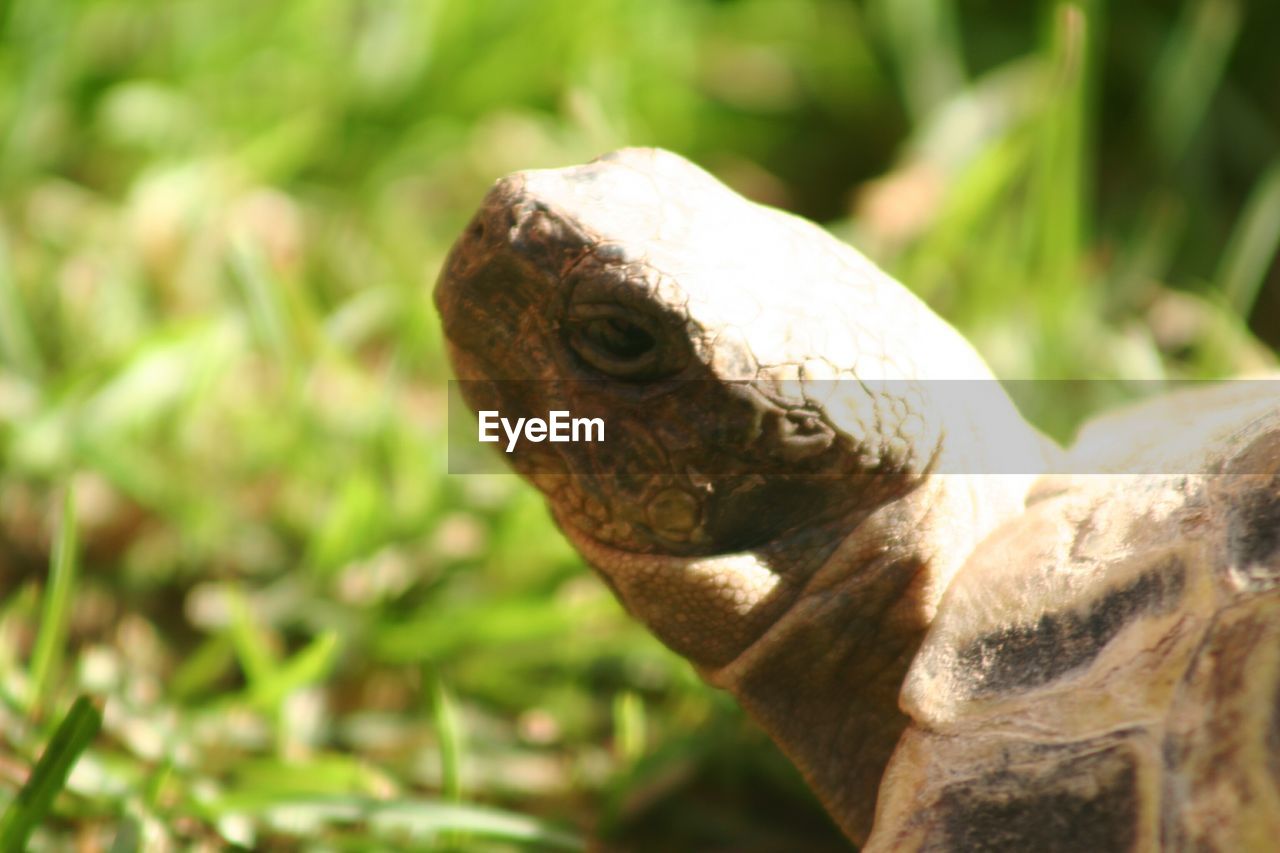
476	231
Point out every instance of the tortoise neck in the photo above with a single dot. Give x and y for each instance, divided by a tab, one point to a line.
823	679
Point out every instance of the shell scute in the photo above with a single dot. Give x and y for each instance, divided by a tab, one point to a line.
1080	616
1020	657
1089	802
1253	538
1005	792
1221	754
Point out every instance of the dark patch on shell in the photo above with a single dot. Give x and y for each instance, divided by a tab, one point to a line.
1026	656
1254	537
1089	803
1223	736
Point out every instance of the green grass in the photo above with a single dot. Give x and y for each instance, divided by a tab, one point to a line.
31	806
46	656
219	224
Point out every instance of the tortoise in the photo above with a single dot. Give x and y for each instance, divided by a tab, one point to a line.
813	488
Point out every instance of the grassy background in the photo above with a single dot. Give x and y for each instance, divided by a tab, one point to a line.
221	380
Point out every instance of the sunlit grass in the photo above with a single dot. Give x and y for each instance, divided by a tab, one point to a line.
31	806
219	223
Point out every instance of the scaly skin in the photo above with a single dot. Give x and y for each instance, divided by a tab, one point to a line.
783	498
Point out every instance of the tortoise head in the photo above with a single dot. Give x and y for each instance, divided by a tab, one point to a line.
759	382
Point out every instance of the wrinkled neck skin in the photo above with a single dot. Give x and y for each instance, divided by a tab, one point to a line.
824	679
814	634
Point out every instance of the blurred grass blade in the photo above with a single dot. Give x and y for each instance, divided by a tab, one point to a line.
202	669
426	821
628	726
308	666
449	732
926	46
279	152
28	809
324	775
511	622
129	837
1253	245
159	376
253	648
17	343
1060	165
355	521
56	611
1190	70
268	680
422	821
266	302
1150	251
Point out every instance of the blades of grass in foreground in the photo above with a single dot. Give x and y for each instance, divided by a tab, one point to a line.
265	301
1061	163
253	648
424	822
56	612
17	342
1150	249
28	809
310	665
1189	71
628	727
449	731
926	45
1253	245
421	821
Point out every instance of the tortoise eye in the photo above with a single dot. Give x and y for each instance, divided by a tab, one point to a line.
621	343
617	338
